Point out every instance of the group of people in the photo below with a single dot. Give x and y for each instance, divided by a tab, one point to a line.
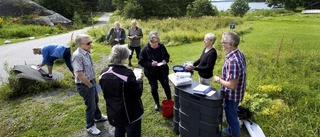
123	89
117	35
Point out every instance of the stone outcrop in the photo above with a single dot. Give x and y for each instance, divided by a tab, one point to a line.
16	8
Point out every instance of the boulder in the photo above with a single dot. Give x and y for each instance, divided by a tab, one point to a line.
16	8
27	72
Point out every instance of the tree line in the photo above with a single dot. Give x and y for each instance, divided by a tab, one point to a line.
145	9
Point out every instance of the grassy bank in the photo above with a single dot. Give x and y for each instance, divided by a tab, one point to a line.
283	66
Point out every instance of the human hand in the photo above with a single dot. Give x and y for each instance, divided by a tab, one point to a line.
216	79
139	77
154	63
190	68
164	62
39	65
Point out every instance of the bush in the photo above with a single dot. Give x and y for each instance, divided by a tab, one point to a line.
240	7
256	14
1	22
133	9
201	8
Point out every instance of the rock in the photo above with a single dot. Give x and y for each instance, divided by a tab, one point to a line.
16	8
7	42
26	72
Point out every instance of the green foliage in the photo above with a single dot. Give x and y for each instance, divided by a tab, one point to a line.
22	31
77	20
105	6
240	7
67	8
282	78
1	22
153	8
20	87
173	31
201	8
291	4
133	9
257	14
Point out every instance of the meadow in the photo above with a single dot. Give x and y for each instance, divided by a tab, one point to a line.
283	70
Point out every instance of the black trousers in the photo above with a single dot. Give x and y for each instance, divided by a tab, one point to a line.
137	49
164	81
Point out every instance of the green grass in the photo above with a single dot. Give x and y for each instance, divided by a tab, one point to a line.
282	82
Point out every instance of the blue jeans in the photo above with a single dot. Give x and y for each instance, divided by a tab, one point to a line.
231	108
132	130
91	100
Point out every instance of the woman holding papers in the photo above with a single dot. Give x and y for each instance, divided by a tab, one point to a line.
122	91
153	58
205	64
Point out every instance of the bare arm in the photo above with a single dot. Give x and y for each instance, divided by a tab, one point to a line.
83	78
231	84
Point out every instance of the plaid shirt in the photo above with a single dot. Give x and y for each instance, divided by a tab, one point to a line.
234	67
81	61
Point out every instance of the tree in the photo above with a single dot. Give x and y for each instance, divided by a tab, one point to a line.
133	9
201	8
291	4
105	5
155	8
240	7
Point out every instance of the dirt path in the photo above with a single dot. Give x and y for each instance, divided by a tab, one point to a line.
21	53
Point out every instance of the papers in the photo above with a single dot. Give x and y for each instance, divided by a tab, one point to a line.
210	93
160	64
138	73
98	88
183	74
202	89
35	67
179	81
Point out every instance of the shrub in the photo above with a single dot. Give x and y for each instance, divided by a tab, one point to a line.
256	14
201	8
133	9
1	22
240	7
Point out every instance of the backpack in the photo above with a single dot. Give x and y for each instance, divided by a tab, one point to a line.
244	113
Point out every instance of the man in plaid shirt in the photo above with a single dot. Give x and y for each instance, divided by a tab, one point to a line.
233	81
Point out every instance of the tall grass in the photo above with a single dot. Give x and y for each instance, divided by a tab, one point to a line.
173	31
282	85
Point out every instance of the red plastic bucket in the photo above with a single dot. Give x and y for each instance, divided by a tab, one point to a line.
167	108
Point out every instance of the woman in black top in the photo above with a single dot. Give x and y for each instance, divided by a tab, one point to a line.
153	58
205	64
122	91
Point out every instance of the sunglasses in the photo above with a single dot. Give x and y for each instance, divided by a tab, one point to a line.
89	43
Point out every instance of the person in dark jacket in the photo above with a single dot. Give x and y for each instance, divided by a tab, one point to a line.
116	35
122	91
153	58
205	64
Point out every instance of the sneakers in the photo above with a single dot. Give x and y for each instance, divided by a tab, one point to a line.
103	118
47	76
157	107
225	132
94	130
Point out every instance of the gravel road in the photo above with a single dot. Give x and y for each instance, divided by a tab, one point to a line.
21	53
